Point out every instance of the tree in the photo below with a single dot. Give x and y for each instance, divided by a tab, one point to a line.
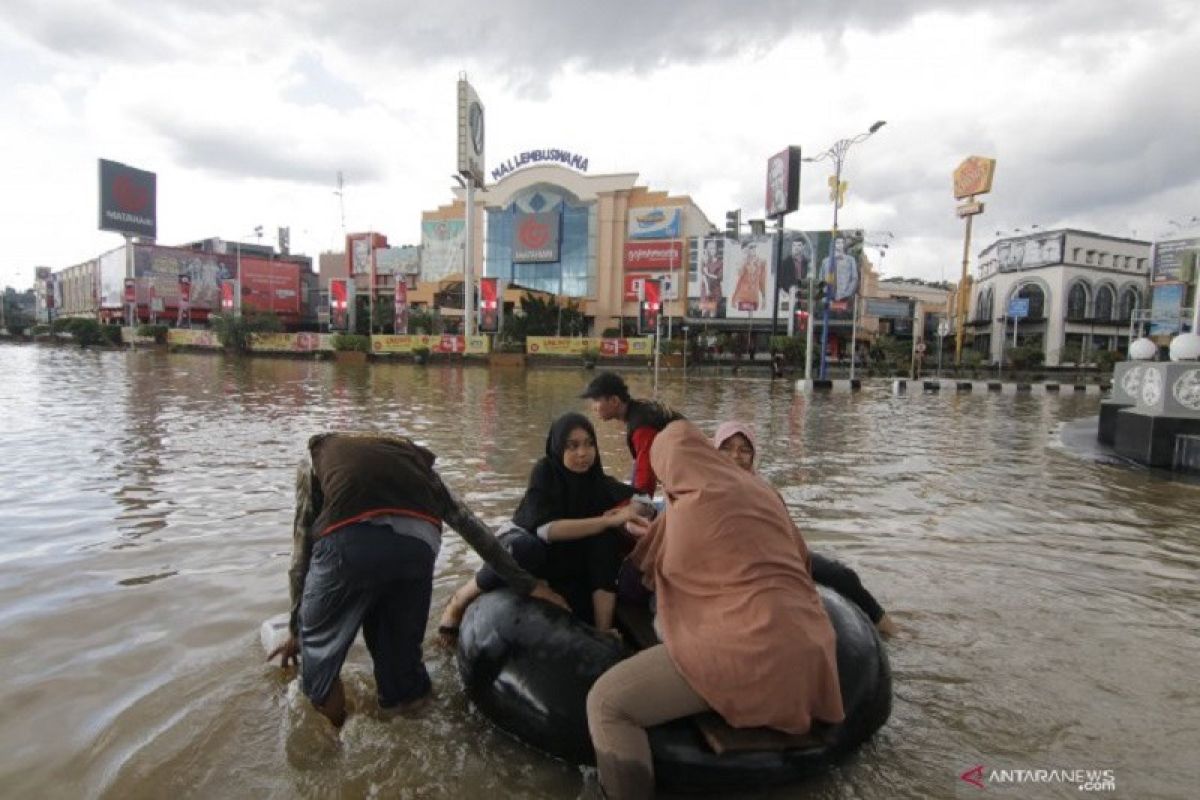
545	317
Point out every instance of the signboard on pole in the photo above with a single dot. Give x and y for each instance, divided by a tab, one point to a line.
889	309
783	182
651	303
337	304
470	133
489	305
128	200
974	176
1018	307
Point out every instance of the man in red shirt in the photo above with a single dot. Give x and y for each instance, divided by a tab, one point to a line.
643	420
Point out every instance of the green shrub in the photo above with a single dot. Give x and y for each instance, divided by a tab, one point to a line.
111	335
611	333
234	332
790	347
1107	359
156	332
349	342
39	330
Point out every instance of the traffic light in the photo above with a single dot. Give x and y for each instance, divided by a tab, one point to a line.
733	223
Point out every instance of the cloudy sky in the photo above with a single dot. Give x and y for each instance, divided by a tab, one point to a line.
247	110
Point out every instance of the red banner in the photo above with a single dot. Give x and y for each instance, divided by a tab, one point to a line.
227	295
337	304
614	347
489	305
271	286
185	290
643	256
651	304
130	290
401	306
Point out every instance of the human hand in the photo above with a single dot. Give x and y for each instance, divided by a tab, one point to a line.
887	626
289	651
542	591
621	514
637	527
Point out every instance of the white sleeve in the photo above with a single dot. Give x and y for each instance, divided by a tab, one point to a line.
543	532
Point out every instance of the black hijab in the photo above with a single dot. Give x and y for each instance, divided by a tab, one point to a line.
555	492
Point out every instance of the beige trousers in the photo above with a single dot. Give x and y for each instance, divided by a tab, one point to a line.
638	693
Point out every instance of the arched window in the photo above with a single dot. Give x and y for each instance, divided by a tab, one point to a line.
1076	302
981	306
1104	303
989	304
1131	298
1037	300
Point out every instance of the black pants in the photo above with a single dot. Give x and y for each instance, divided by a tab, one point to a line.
371	577
836	575
574	569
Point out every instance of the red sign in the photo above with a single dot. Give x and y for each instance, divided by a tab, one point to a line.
489	304
614	347
450	344
533	233
227	295
651	303
643	256
185	290
337	295
271	286
130	290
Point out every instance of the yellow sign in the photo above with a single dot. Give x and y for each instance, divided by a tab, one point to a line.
974	176
562	346
471	345
290	342
186	337
837	191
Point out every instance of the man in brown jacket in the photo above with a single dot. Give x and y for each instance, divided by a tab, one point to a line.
367	530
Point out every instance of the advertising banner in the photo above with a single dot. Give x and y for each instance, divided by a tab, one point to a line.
653	256
187	337
888	309
337	304
442	243
291	342
973	176
783	182
1174	260
130	291
1029	252
271	286
733	278
489	305
650	306
400	310
227	295
470	133
654	223
471	345
1166	308
128	200
573	346
668	284
535	237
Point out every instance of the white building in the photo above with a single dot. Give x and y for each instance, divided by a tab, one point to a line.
1082	290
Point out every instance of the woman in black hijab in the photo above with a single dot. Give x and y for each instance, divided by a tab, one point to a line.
565	529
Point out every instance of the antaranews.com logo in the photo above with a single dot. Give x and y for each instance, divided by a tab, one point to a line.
1088	780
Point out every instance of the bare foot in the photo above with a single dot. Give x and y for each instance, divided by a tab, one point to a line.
887	626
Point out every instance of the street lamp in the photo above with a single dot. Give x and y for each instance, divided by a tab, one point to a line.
237	282
837	153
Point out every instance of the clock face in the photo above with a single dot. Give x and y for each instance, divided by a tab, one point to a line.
1152	387
1132	381
475	120
1187	390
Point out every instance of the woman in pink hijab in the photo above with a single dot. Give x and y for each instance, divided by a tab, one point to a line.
736	440
744	631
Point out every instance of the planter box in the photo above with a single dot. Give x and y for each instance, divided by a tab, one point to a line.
350	357
506	359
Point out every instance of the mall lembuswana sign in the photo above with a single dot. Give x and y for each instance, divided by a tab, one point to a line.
573	160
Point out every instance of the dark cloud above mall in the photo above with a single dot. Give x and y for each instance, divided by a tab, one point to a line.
236	152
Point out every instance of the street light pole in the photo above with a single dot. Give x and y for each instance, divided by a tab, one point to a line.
837	153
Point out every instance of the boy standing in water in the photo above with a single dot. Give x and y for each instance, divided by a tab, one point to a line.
643	420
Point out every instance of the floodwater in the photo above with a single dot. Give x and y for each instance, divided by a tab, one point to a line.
1049	603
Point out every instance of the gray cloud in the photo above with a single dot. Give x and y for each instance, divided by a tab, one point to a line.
237	152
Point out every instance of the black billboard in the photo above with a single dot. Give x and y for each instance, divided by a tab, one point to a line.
783	182
128	200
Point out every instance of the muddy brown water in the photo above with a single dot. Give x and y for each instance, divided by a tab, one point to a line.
1049	602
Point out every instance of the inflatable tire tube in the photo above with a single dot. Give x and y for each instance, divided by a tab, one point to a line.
528	666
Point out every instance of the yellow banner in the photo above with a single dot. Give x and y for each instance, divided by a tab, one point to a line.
187	337
607	348
290	342
471	345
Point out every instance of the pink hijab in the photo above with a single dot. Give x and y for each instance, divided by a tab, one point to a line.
733	428
737	607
